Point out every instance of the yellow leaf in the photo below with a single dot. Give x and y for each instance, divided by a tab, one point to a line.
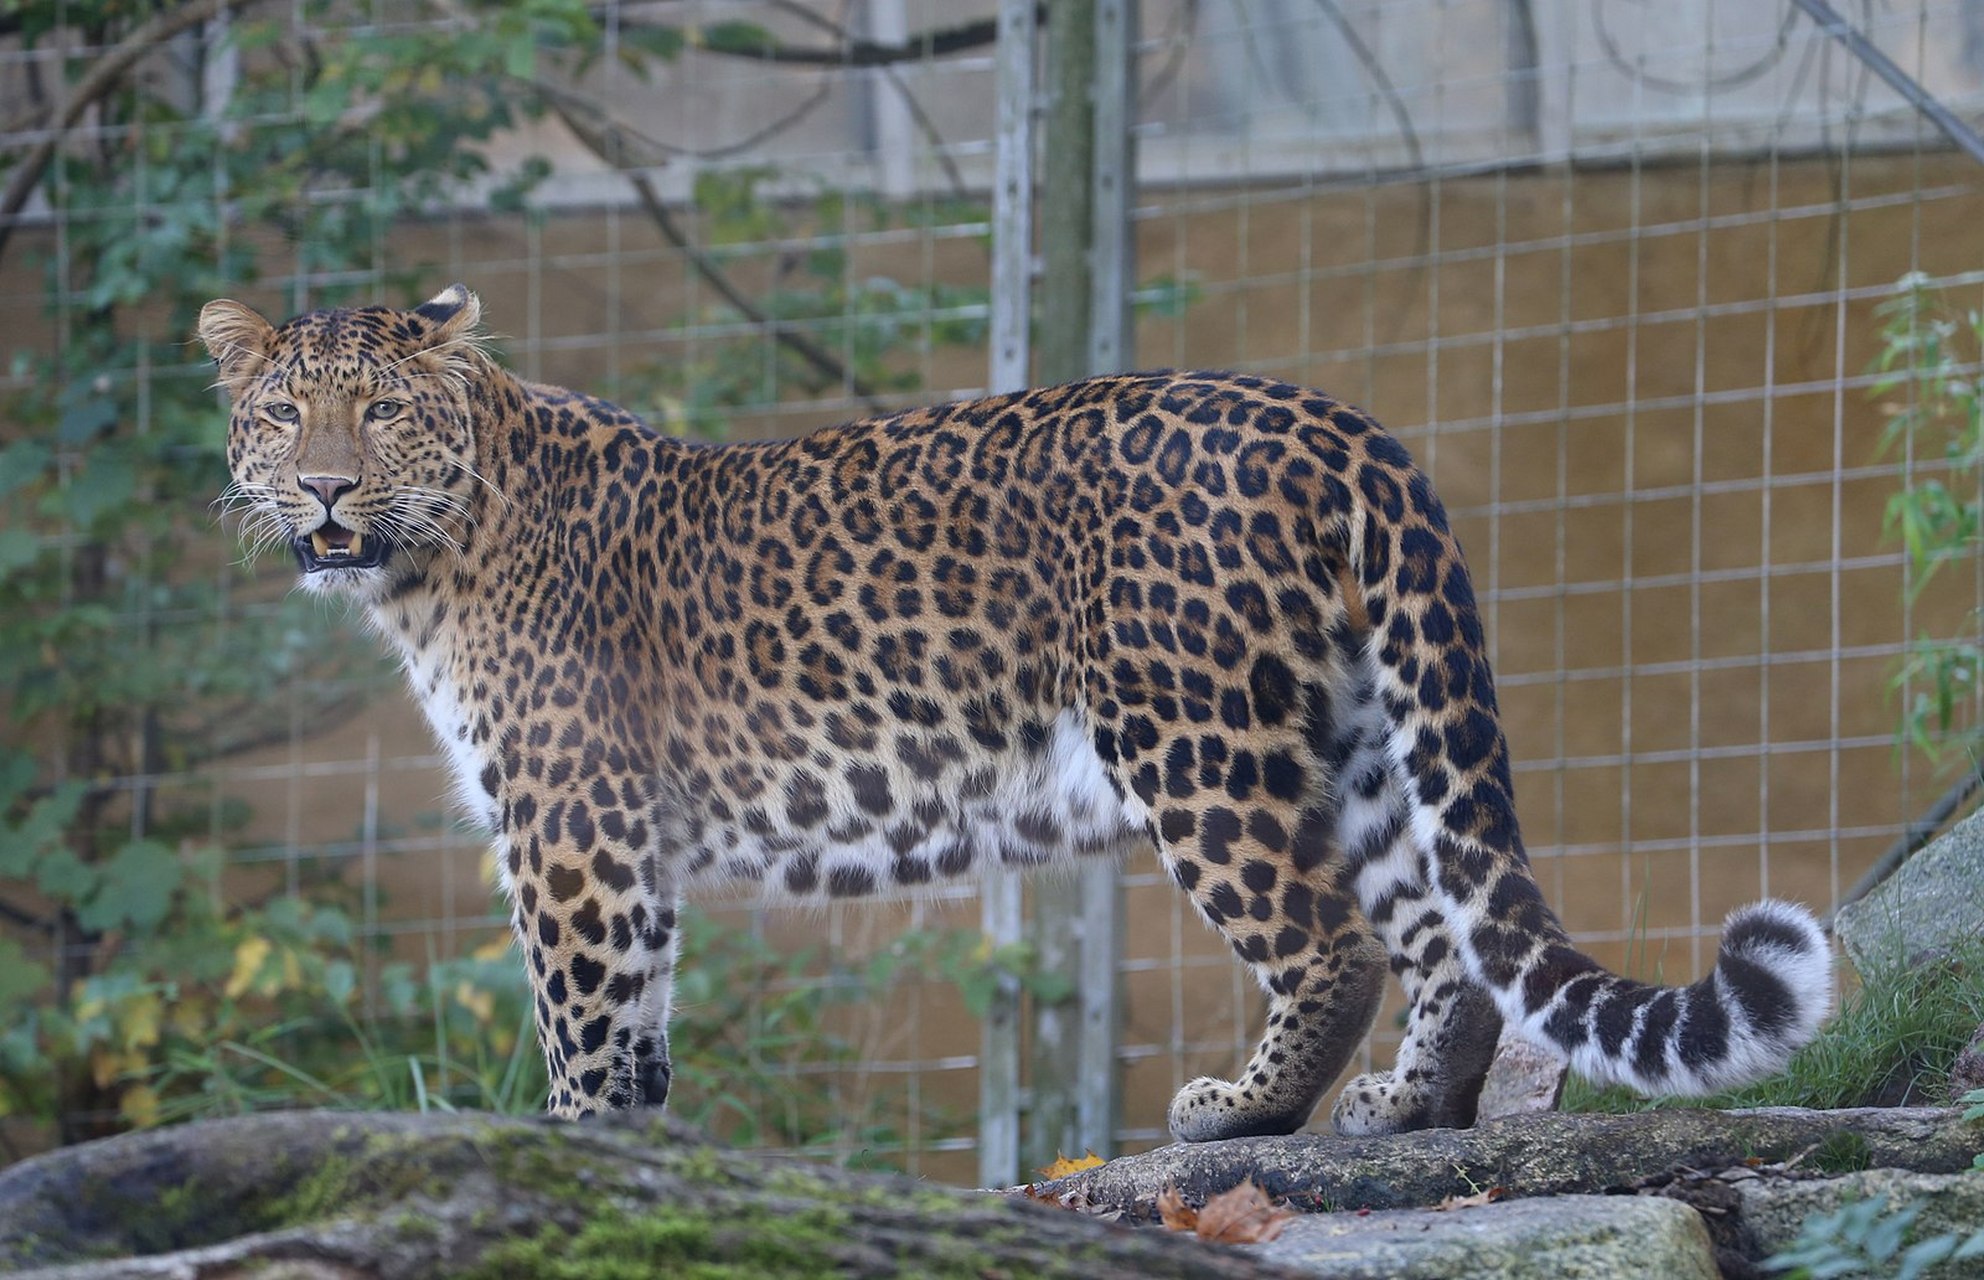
249	957
141	1017
476	1001
140	1106
1063	1166
189	1017
493	950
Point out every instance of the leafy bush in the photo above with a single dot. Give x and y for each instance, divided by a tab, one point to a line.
1930	365
141	979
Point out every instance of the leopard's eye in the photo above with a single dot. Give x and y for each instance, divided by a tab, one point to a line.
280	410
381	410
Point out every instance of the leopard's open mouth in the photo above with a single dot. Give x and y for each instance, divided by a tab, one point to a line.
335	547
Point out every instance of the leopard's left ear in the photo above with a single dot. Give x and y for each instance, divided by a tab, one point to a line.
454	314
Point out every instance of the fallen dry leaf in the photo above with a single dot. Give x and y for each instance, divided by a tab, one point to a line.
1243	1215
1063	1166
1174	1212
1475	1201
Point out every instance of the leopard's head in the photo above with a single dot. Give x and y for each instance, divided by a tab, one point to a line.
351	436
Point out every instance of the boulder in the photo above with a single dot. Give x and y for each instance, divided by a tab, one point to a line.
377	1197
1772	1212
1552	1238
1967	1073
1928	905
1526	1155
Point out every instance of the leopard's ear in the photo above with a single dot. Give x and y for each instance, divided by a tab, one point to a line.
454	314
237	338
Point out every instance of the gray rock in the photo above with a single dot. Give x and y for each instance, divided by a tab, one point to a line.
1932	902
1968	1071
1530	1155
1523	1078
1773	1210
1557	1238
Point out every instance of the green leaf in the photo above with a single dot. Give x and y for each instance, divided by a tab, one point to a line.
39	834
22	463
18	549
21	976
61	875
104	488
665	43
1884	1239
744	39
136	889
84	418
1923	1255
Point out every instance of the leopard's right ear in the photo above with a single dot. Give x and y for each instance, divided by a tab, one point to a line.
237	338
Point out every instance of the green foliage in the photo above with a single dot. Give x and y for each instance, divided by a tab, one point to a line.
142	979
122	655
1929	369
135	987
1865	1239
1897	1035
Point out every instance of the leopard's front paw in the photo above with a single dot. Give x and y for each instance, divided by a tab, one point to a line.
1207	1110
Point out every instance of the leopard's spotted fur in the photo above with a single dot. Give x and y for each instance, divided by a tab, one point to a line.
1215	613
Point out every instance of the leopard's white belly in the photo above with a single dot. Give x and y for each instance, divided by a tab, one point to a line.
1038	809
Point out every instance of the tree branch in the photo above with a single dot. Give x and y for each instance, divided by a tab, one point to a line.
854	51
15	916
924	123
96	82
626	150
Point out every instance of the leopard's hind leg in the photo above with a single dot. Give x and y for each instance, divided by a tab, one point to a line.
1452	1025
1247	830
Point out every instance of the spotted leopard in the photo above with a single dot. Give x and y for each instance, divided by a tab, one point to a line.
1218	615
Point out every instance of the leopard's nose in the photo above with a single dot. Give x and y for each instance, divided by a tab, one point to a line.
328	488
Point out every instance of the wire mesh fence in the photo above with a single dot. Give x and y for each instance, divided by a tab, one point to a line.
1611	268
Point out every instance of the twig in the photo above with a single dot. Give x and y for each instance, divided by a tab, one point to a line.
602	134
1408	134
98	81
26	920
924	123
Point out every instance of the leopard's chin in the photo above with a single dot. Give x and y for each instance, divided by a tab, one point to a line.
332	546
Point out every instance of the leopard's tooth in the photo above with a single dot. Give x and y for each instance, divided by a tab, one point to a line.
320	543
357	546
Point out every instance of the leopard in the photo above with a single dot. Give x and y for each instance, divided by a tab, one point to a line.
1212	614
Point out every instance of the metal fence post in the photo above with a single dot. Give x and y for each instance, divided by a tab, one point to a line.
1012	273
1084	328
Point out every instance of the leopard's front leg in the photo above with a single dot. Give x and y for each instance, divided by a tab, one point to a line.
597	931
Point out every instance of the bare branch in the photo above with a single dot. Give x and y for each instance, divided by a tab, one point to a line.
857	52
924	123
96	82
627	150
26	920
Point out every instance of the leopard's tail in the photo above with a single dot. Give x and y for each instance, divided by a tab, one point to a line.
1772	981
